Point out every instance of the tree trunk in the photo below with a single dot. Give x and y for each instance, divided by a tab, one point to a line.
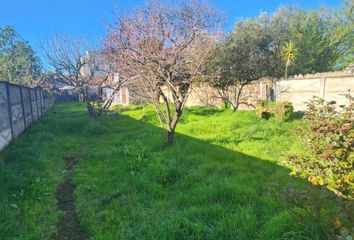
171	125
170	137
286	70
90	108
234	107
91	111
109	101
236	104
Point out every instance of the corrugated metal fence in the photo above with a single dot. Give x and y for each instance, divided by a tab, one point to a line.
19	107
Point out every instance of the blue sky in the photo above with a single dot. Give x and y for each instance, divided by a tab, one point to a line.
36	19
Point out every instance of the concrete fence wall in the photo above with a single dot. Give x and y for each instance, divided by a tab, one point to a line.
331	86
204	95
19	108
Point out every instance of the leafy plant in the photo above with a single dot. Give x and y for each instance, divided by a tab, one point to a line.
330	157
282	111
289	52
309	206
330	140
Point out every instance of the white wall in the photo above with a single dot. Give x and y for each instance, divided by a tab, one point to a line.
329	86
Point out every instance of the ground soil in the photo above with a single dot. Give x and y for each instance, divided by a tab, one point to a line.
68	226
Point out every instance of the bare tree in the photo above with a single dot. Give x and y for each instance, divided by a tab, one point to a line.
163	49
86	70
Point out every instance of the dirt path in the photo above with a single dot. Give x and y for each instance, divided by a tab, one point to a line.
68	226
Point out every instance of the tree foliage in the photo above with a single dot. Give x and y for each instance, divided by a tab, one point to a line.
312	32
293	39
290	38
18	62
344	33
246	55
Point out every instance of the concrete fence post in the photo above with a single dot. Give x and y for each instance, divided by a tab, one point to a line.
9	108
41	101
30	100
23	107
260	94
323	87
35	93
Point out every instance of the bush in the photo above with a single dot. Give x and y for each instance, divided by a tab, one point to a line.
329	154
330	140
281	111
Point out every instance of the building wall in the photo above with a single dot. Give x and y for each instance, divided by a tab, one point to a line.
19	108
122	97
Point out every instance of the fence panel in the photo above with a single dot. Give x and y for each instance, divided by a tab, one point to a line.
332	86
16	110
34	104
27	106
19	108
5	127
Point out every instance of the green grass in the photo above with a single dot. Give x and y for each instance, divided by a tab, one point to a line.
212	184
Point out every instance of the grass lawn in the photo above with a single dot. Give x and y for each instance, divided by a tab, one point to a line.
213	183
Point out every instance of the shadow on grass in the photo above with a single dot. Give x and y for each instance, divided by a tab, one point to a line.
128	186
192	190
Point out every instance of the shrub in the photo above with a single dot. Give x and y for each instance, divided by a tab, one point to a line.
330	142
282	111
308	210
329	154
